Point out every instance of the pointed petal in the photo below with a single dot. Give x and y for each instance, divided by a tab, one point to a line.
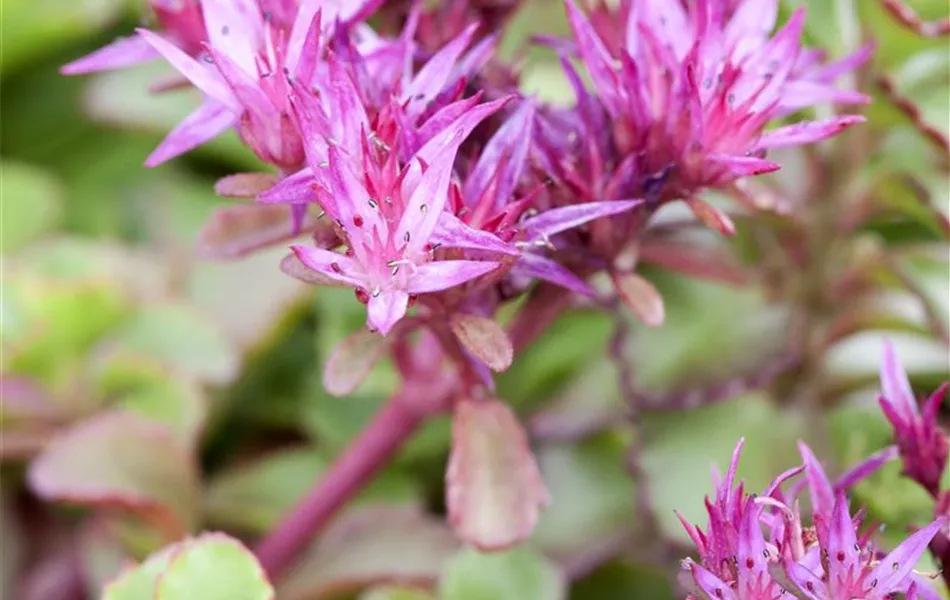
897	565
708	584
866	468
293	188
323	261
235	28
441	275
246	89
545	269
822	494
743	166
122	53
465	123
841	542
799	93
433	76
512	141
303	46
204	78
428	199
805	580
807	132
596	58
207	122
452	232
386	309
556	220
894	384
752	550
313	124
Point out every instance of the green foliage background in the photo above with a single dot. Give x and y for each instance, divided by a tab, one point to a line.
104	304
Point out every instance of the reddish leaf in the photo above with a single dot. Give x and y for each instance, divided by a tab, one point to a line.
484	338
121	460
711	217
233	231
494	490
643	300
244	185
351	361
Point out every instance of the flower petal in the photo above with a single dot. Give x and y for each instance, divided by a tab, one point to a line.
323	261
866	468
236	29
822	494
894	384
433	76
122	53
293	188
545	269
452	232
207	122
386	309
507	149
556	220
898	565
810	586
204	78
807	132
441	275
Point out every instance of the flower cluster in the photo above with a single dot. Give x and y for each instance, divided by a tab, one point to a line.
376	132
759	547
425	181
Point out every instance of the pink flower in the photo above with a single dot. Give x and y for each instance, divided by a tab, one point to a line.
387	218
922	445
692	90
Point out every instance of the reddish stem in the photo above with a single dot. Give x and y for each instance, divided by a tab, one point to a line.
372	450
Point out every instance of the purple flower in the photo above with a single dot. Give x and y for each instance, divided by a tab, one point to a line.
922	445
692	90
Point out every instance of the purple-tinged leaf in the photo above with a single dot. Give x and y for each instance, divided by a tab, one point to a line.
245	185
352	360
639	295
292	266
494	490
235	231
121	460
484	338
711	217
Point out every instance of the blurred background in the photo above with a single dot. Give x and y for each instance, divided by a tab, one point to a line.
105	304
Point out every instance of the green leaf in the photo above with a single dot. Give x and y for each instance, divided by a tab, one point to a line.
620	581
591	492
121	460
211	567
372	545
683	447
32	201
396	593
518	574
178	403
38	26
182	339
254	496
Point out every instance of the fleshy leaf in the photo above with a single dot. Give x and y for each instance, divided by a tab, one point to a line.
213	567
484	338
234	231
181	338
518	574
711	217
396	593
641	297
368	546
494	490
352	360
121	460
292	266
244	185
